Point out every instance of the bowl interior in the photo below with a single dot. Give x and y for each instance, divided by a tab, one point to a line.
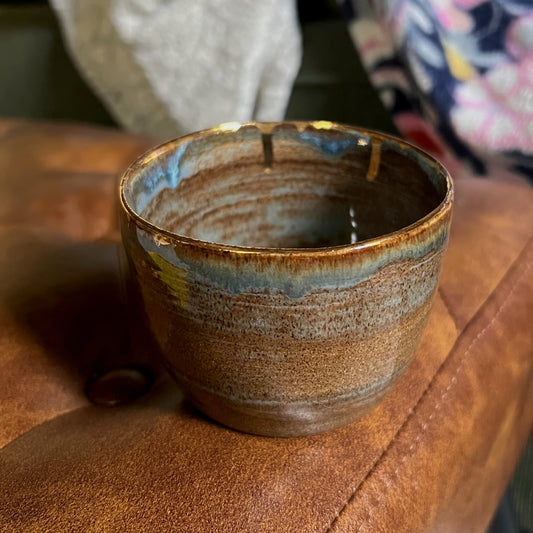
288	185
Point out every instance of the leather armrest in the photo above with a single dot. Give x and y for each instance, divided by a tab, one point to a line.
435	455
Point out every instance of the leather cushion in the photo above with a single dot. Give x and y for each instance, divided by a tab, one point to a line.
436	454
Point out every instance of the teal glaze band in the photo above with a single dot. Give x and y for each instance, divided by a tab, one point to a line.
245	277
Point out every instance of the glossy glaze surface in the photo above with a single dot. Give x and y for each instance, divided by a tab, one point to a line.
285	271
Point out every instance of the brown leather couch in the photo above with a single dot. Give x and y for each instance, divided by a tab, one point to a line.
435	455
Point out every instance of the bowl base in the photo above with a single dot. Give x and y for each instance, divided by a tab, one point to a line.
275	419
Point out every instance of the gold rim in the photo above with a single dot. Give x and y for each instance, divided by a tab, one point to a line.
431	219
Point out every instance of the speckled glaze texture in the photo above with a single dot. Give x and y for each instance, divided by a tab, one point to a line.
285	271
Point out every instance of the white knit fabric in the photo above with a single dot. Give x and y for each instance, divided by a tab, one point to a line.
168	67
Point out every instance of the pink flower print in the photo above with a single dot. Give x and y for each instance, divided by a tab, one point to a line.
494	112
519	38
452	17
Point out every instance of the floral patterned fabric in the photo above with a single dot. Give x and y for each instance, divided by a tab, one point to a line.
457	76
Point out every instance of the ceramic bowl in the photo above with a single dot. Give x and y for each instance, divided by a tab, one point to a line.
285	271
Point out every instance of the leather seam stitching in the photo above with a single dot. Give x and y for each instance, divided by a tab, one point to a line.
527	266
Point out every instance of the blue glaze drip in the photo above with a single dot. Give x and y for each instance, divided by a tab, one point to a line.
248	279
332	147
173	169
155	177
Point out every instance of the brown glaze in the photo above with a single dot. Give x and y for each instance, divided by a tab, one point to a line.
263	334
